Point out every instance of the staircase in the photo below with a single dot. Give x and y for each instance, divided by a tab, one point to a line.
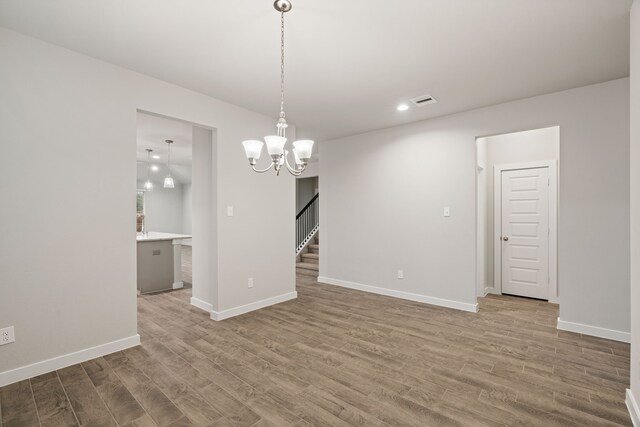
309	261
307	248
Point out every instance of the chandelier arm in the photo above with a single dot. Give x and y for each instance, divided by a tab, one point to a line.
292	171
262	170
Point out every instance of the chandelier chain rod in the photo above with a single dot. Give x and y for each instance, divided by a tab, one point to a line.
282	64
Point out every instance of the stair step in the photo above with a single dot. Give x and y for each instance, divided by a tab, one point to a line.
307	266
310	256
314	249
303	272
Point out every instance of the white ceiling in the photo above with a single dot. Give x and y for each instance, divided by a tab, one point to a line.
152	132
349	63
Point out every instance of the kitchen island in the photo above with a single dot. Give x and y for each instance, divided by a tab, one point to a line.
159	261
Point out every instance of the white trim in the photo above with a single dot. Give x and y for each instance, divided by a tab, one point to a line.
488	290
632	406
49	365
553	295
178	285
236	311
401	294
595	331
202	305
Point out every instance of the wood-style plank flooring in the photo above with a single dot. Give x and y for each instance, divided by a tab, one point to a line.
337	357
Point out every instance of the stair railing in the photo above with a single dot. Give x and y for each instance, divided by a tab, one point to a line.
307	222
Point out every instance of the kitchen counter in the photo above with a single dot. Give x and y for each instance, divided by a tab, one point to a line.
159	261
154	236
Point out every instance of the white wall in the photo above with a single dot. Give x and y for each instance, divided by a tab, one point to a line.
383	195
163	208
515	147
204	256
312	169
187	212
305	190
481	220
635	204
68	129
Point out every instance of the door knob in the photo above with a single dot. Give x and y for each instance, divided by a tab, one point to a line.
505	239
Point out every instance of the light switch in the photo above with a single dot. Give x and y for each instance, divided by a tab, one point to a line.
447	212
229	210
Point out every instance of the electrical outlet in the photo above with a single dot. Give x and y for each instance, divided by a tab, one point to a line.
400	274
7	335
250	282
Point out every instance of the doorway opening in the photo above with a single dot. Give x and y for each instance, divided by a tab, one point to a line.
175	208
517	214
307	247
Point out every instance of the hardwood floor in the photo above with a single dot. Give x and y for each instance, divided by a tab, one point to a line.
338	357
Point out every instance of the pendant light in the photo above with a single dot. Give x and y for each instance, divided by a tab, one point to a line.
148	185
168	181
276	143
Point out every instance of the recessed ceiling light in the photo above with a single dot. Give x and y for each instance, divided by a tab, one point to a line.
403	107
154	168
155	156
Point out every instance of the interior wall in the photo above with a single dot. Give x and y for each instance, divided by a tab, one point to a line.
481	221
204	197
163	208
72	118
187	212
383	195
516	147
312	169
635	206
306	188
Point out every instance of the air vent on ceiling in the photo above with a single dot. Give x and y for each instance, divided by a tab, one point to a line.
424	100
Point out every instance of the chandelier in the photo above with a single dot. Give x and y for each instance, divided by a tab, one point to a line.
276	143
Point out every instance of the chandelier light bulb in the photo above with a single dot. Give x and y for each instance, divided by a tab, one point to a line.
253	150
303	147
297	158
275	145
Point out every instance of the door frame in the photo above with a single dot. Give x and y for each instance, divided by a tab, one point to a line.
553	222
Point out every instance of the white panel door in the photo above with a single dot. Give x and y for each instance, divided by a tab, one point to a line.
525	232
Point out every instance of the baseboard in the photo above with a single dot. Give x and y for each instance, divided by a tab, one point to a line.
595	331
201	305
178	285
632	406
49	365
401	294
489	290
236	311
